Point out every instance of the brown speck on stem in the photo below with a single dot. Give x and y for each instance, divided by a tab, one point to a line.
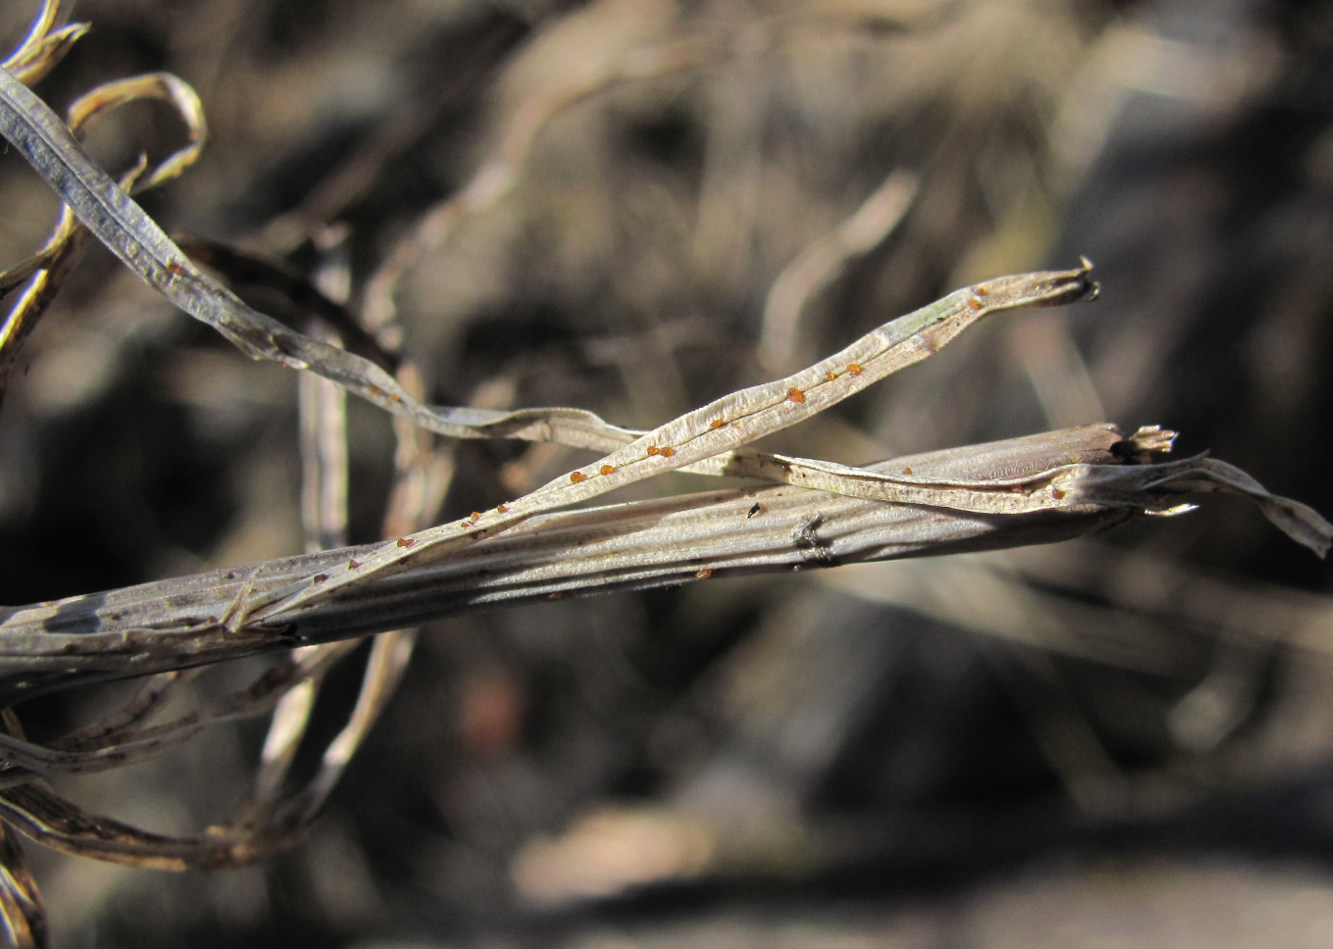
795	395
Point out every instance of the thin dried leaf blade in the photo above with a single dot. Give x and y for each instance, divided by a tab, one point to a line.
48	40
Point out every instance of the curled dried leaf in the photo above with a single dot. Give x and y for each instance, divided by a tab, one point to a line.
45	271
1176	485
46	43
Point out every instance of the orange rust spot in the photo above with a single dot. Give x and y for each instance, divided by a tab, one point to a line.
854	369
796	395
1057	494
981	291
718	423
652	449
974	304
375	390
406	542
831	376
175	269
575	477
668	451
704	574
907	470
502	508
606	469
395	397
474	516
353	564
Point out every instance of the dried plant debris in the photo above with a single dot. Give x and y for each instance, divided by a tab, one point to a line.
170	661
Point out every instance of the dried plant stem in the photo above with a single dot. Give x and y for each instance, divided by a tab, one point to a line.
193	620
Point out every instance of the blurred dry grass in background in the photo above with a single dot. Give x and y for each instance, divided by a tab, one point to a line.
1124	741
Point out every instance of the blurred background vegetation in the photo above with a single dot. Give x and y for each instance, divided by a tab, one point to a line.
1120	741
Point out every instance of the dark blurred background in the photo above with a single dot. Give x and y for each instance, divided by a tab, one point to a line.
1121	741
